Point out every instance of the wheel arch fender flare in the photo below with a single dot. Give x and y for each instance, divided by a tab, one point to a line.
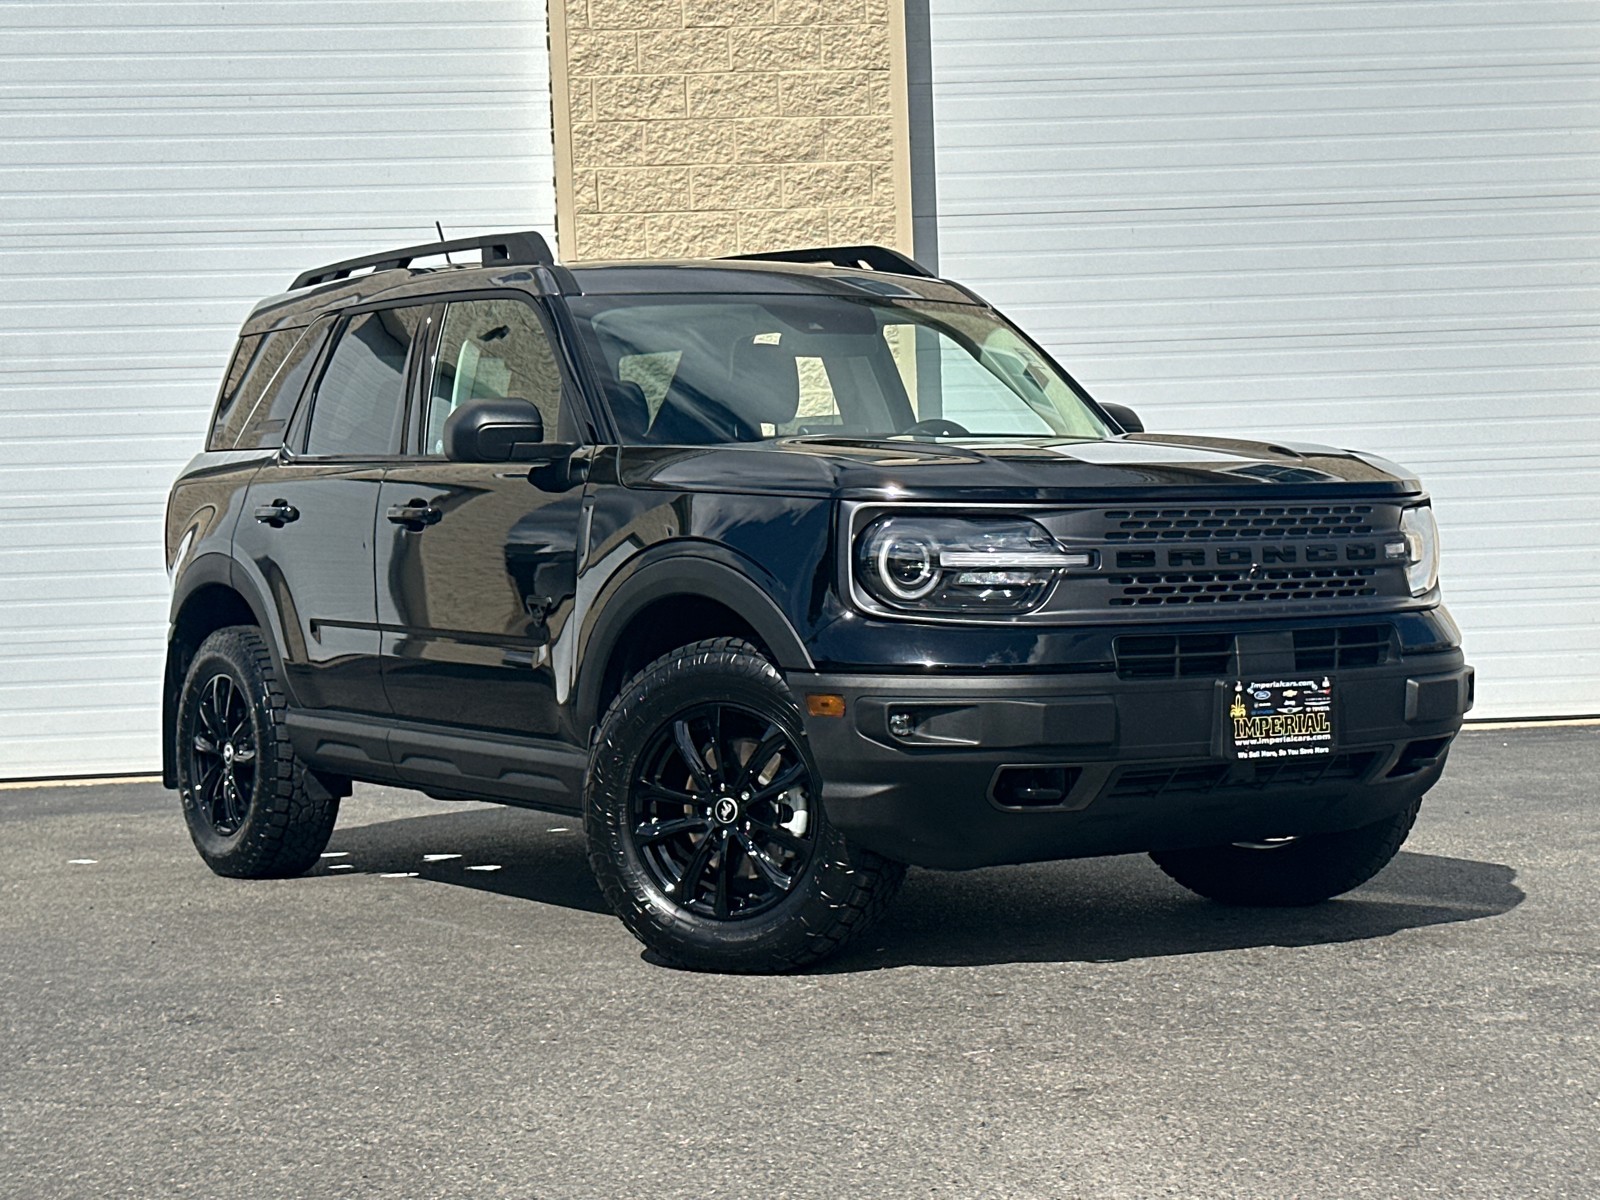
663	572
214	570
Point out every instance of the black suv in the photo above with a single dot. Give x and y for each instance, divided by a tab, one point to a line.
783	572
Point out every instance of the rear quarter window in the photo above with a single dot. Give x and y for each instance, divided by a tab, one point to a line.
264	383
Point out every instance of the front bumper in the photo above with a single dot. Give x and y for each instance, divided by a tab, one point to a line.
1130	765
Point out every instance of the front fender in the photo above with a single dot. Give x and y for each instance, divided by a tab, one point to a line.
678	568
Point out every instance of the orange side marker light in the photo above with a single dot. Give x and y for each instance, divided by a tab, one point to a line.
824	704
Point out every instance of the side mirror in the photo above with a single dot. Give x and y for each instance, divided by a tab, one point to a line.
1124	416
494	430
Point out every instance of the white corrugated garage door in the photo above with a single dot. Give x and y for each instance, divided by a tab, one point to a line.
1369	224
162	167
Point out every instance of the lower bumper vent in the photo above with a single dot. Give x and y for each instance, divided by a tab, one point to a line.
1213	777
1034	787
1338	648
1158	656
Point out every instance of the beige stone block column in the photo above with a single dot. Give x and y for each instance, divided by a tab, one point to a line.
693	128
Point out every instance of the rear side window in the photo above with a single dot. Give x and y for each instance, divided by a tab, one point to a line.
360	403
268	374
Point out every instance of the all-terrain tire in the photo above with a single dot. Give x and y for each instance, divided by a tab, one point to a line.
1304	871
273	820
842	889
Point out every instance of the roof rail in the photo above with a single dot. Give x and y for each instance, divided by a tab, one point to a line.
868	258
527	247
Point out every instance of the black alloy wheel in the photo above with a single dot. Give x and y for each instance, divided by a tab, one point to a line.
254	809
705	823
720	813
222	754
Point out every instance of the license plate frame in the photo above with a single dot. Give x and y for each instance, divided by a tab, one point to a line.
1278	719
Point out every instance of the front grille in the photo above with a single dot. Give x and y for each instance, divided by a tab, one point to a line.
1214	777
1238	587
1242	523
1346	646
1157	656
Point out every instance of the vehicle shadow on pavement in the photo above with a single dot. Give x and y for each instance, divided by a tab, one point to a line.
530	860
1116	909
1089	910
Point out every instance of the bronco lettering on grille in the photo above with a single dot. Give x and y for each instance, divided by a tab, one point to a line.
1242	556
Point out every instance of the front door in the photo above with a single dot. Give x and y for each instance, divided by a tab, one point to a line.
476	565
307	530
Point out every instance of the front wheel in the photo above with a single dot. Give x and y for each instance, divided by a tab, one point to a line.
1291	871
705	823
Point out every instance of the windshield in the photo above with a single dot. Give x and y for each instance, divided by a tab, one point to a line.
699	370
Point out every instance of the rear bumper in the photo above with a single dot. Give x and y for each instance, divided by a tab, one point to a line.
1133	765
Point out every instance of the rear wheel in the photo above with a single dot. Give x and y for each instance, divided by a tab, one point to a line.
705	823
1290	871
254	809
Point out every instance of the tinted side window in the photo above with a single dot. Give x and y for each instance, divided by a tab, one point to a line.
492	349
269	373
246	359
360	402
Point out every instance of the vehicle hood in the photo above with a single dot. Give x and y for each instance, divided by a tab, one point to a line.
1133	466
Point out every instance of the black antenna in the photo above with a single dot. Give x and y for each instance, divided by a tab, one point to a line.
440	228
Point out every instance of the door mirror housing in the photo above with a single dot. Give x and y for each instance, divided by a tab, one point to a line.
1124	416
494	430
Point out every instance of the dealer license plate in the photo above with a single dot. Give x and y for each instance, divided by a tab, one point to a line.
1279	718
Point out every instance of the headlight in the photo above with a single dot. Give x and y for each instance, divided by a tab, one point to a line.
956	565
1421	549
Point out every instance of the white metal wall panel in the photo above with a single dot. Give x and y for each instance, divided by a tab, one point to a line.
162	167
1369	224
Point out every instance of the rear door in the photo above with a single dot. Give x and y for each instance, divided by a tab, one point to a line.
307	531
476	565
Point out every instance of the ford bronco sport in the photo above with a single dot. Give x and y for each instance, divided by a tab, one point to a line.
783	572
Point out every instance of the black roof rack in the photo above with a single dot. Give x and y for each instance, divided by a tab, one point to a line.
527	247
869	258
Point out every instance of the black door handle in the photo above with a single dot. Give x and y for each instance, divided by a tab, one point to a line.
416	515
277	514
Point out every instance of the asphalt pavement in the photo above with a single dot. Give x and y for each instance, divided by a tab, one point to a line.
398	1026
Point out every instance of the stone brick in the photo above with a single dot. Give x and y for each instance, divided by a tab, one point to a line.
585	196
822	12
826	93
857	139
683	51
727	12
724	187
883	185
644	189
781	139
855	47
879	84
638	97
582	93
610	237
827	185
577	14
692	235
607	144
852	226
776	48
692	142
783	229
741	94
876	12
602	53
635	14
